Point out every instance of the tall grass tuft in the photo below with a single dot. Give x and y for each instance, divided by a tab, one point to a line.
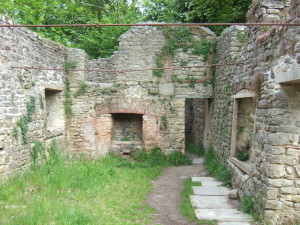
63	190
195	149
156	157
214	167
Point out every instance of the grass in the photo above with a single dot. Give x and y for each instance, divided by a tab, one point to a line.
195	149
63	190
215	168
186	207
247	206
156	157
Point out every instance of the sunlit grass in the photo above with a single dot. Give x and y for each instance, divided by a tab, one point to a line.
63	190
110	190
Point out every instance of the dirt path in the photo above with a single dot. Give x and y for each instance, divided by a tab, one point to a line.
165	197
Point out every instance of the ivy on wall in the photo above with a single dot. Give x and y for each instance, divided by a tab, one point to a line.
23	122
180	37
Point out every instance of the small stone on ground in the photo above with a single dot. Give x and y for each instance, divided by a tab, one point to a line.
196	161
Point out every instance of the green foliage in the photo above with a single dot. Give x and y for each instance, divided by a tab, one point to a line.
70	65
247	205
159	64
176	79
81	90
243	154
203	47
192	81
156	157
164	123
15	133
183	63
68	101
96	41
241	129
37	153
126	139
242	36
24	121
180	37
105	91
186	207
197	11
195	149
175	37
216	168
160	11
176	158
110	190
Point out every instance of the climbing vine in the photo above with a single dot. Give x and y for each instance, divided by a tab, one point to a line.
164	123
68	100
23	122
81	90
180	37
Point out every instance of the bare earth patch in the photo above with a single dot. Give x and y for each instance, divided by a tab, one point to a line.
165	197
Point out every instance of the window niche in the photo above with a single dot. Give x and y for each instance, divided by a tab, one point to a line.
54	110
242	129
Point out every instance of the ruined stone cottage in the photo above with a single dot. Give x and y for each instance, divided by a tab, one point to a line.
248	112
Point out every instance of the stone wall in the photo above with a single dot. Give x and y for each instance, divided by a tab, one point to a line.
22	90
268	56
159	100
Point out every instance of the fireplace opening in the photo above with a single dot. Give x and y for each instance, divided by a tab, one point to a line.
126	132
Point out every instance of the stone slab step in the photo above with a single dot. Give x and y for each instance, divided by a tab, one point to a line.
222	215
211	191
203	179
234	223
207	182
127	142
197	161
210	202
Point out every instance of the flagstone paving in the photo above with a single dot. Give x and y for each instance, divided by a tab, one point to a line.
211	202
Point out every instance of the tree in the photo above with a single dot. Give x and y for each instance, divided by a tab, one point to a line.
97	42
197	11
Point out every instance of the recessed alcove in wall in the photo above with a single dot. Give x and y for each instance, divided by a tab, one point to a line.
289	96
126	132
242	129
54	110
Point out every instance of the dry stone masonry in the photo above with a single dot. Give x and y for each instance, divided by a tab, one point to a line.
269	76
249	112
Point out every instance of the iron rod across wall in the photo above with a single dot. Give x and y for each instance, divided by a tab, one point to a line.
151	24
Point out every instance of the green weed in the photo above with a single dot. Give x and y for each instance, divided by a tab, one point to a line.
68	101
156	157
195	149
24	121
70	65
247	206
214	167
110	190
81	90
186	207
